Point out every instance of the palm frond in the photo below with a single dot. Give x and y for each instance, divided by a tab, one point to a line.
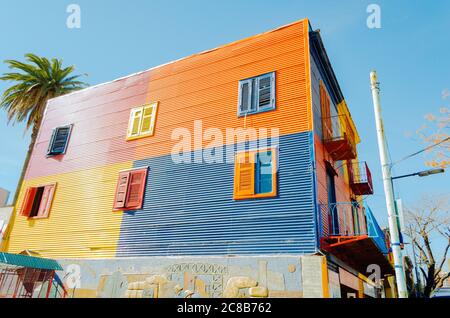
34	83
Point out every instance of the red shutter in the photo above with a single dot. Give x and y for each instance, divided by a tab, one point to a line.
27	203
121	190
46	200
136	188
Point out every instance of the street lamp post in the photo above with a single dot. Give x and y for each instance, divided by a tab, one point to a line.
425	173
387	184
386	168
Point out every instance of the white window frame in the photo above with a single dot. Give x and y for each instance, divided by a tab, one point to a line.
141	109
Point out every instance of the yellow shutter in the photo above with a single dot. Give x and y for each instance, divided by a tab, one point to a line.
135	122
244	175
148	119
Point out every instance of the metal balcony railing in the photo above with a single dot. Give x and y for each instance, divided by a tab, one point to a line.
343	219
360	178
351	233
339	137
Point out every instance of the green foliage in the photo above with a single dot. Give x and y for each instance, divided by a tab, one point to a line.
35	82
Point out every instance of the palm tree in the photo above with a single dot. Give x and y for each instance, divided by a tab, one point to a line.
35	83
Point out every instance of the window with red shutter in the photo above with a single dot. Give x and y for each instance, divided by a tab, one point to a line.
121	190
38	200
130	189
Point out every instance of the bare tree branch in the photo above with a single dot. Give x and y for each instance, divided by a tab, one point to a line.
444	258
429	217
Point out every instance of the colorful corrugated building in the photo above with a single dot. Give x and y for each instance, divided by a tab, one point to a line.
232	172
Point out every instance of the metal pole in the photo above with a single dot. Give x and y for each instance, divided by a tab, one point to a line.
386	169
50	283
418	282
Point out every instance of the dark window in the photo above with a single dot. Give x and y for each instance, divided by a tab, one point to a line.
333	208
38	201
59	140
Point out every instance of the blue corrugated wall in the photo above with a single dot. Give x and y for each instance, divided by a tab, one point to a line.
189	209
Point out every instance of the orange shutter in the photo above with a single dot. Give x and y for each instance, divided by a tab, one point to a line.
327	129
46	200
28	201
136	188
244	177
121	190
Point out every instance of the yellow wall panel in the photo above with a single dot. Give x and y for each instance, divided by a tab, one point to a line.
81	223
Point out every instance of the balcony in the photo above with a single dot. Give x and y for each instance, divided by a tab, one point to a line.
360	178
339	137
351	233
343	220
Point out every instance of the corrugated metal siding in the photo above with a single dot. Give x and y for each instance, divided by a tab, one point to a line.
100	123
203	86
206	88
189	209
81	222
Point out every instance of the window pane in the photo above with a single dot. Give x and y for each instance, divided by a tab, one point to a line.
146	124
148	119
136	122
253	96
264	172
148	111
245	93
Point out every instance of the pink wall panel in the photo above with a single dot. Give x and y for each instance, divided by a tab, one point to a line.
100	117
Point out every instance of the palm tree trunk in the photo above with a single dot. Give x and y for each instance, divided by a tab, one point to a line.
5	242
34	134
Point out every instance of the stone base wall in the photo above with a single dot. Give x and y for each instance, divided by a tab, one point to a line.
194	277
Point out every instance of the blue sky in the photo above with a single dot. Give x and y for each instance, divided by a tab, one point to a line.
410	53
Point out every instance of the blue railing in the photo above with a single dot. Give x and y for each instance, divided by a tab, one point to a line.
347	219
375	231
343	219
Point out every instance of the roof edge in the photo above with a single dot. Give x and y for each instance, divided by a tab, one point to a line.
304	20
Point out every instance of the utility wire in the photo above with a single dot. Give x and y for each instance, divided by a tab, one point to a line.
391	165
420	151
